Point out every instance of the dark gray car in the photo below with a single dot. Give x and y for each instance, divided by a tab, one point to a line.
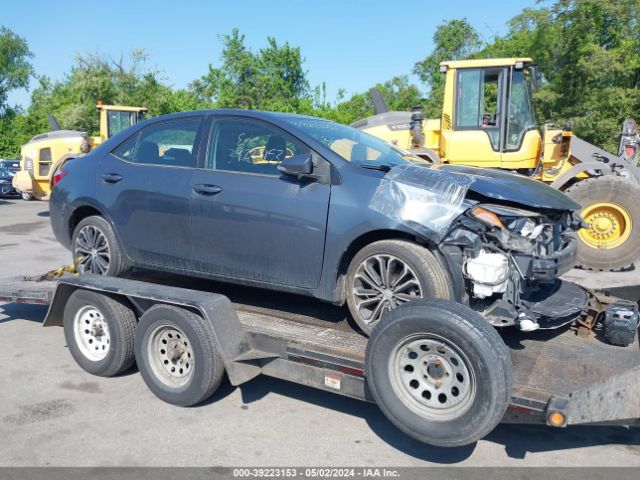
309	206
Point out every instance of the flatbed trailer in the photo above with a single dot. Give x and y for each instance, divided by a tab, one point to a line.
558	377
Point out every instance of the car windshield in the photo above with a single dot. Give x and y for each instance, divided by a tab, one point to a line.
5	172
353	145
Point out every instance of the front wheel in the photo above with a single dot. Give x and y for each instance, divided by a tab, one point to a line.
611	207
439	372
390	273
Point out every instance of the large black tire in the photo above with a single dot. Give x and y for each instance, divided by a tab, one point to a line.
448	343
433	279
115	265
625	194
196	373
106	354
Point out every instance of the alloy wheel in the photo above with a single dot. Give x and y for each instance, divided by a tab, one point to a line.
383	282
91	251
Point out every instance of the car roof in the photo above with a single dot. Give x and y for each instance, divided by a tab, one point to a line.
260	114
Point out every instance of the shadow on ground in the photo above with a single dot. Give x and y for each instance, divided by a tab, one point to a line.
518	440
22	311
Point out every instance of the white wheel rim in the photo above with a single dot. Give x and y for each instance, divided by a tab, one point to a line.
432	376
91	333
170	356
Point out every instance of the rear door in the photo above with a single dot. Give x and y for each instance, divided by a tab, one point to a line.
146	185
248	220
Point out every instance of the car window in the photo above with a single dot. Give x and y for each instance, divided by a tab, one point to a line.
125	150
353	145
246	145
169	144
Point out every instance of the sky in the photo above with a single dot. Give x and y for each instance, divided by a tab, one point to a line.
349	44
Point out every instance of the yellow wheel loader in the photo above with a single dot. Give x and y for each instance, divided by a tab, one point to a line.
488	121
46	153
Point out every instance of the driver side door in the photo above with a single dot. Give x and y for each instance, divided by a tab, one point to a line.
250	222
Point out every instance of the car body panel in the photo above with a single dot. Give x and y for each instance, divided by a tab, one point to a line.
274	235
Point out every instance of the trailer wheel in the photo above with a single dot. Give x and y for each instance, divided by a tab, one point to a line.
439	372
177	355
26	196
99	330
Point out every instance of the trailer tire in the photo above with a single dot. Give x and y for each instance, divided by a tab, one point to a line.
432	277
615	201
26	196
177	355
439	372
99	330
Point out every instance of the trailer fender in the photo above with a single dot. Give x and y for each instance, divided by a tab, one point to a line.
240	357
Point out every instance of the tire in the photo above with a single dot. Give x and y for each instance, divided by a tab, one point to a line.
624	195
433	280
26	196
465	344
106	248
198	370
115	324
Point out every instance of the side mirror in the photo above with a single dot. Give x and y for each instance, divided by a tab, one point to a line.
297	166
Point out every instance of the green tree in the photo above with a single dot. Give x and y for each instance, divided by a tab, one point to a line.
15	64
271	79
589	52
453	40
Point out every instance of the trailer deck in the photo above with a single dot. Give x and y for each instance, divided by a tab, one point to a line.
547	365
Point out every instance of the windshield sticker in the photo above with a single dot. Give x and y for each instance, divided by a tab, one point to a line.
425	199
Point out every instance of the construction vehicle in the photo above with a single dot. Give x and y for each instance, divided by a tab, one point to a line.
488	121
44	155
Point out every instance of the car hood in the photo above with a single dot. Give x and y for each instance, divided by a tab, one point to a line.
510	187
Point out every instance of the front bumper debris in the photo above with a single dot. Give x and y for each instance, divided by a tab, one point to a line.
550	304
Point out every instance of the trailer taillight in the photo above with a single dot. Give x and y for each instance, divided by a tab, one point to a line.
59	176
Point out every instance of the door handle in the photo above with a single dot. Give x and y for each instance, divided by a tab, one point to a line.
111	178
205	189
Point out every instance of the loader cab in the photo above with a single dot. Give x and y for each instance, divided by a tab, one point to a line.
488	119
116	118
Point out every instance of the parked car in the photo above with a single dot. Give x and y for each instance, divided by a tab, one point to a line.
305	205
12	166
6	189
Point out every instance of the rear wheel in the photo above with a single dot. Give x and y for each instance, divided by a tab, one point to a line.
439	372
95	248
390	273
611	207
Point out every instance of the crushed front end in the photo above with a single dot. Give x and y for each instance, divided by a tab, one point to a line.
510	261
505	238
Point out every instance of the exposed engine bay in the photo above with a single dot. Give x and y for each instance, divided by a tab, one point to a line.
510	260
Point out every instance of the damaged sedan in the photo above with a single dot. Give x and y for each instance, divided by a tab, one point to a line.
308	206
